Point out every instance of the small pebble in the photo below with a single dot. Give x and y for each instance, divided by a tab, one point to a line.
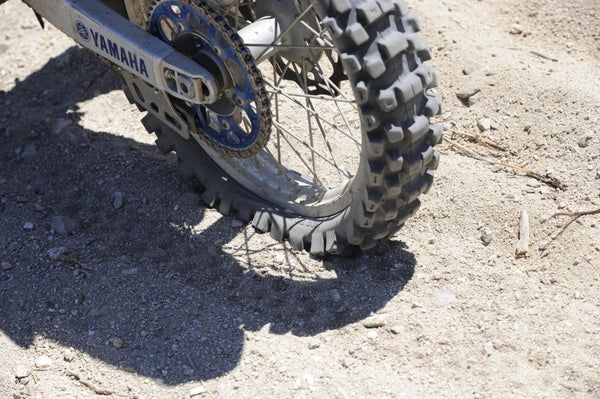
21	371
28	226
397	329
116	342
314	343
469	69
199	390
375	321
516	29
68	355
584	141
118	200
187	371
372	334
488	349
466	92
486	236
63	225
484	124
443	298
6	266
473	100
43	362
56	252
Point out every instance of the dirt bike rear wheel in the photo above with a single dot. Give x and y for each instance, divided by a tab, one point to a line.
349	173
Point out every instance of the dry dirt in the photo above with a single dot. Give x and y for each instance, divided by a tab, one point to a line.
158	298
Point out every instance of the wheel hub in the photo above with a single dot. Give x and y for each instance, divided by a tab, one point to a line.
238	123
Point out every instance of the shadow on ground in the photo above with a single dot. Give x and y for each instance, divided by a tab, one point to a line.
138	273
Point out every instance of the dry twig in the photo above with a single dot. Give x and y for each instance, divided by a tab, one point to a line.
574	214
544	179
482	140
97	390
544	56
71	260
592	265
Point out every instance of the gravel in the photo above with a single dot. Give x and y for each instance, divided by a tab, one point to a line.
241	307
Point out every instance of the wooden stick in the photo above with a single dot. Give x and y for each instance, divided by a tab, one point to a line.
548	180
523	245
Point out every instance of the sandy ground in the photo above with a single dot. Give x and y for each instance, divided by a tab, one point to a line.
153	297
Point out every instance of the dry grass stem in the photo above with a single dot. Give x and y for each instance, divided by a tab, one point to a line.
479	139
544	179
575	214
523	245
97	390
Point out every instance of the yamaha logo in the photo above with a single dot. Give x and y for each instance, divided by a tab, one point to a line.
82	30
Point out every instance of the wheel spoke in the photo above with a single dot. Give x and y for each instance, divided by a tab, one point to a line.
308	117
305	144
331	124
260	58
317	34
318	67
315	97
288	46
278	138
315	177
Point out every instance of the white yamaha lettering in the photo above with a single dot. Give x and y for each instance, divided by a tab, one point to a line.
119	53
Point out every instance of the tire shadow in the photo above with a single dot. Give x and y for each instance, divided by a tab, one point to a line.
139	274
